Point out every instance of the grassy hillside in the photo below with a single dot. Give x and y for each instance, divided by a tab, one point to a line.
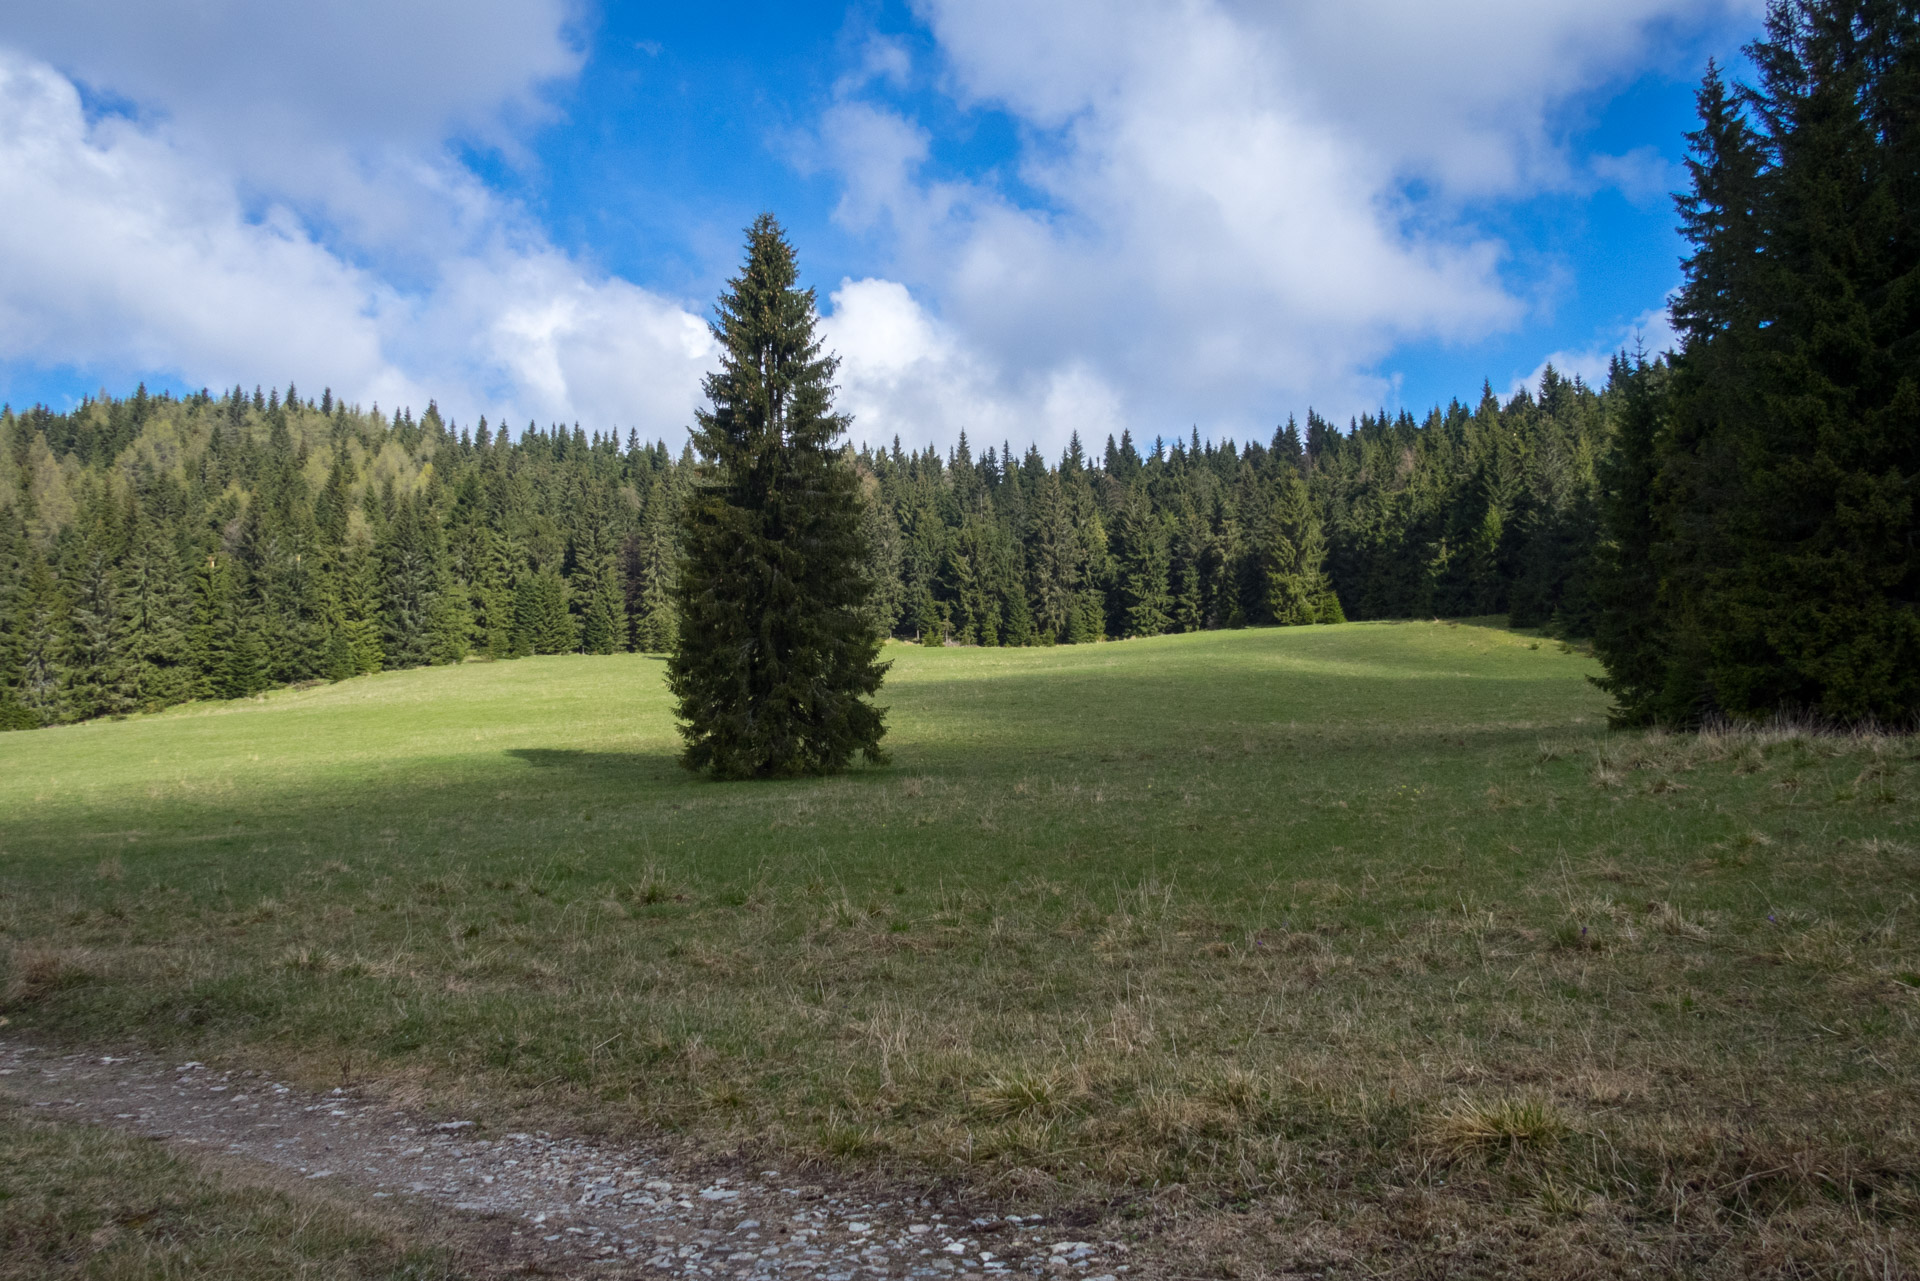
1370	929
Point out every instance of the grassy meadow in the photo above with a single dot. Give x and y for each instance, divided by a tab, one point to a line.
1320	948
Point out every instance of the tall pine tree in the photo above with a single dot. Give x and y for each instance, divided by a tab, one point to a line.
776	656
1783	501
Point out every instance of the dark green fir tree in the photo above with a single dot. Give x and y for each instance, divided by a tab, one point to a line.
653	567
542	623
777	657
210	644
1141	563
1293	558
1629	637
361	645
155	607
603	623
41	614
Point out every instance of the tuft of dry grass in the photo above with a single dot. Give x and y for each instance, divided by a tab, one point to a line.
651	885
1020	1093
1525	1124
35	973
1668	919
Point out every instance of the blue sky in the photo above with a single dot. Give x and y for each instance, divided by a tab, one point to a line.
1022	220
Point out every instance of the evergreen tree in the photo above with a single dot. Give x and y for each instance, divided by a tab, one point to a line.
1820	609
491	594
423	620
1141	560
1628	635
655	623
542	623
882	534
250	663
361	650
210	645
14	566
603	627
42	645
1784	507
776	656
1053	559
1293	557
156	608
98	679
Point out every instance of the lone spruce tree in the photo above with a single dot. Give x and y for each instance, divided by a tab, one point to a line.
775	656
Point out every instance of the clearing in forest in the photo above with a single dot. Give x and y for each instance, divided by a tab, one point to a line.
1307	945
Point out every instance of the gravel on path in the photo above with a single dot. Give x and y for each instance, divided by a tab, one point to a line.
598	1209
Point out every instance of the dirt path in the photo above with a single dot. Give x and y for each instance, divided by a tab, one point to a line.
567	1204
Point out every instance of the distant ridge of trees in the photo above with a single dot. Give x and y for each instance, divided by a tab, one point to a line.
155	549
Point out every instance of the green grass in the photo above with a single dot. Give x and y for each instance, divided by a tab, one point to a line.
1370	928
77	1201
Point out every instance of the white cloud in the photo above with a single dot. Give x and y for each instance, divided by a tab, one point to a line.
128	245
1223	227
115	252
1652	332
904	373
1210	216
1642	175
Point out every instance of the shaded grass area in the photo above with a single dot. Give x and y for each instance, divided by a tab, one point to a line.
79	1201
1368	940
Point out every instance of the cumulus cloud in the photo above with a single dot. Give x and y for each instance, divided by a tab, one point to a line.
341	107
1214	214
163	238
115	253
1219	210
1651	332
904	373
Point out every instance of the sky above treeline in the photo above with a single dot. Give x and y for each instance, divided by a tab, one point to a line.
1023	219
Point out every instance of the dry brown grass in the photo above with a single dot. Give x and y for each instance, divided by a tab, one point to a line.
1467	1126
35	973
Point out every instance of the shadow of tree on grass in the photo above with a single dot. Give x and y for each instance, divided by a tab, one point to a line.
655	765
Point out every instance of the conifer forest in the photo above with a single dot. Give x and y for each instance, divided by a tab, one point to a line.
1733	523
156	549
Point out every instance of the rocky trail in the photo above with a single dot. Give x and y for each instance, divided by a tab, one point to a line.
560	1205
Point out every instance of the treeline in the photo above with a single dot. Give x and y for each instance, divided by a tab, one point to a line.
1735	529
155	549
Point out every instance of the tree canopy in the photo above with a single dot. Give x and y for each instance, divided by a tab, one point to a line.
1760	513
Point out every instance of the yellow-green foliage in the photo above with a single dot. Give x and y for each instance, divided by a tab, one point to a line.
173	441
